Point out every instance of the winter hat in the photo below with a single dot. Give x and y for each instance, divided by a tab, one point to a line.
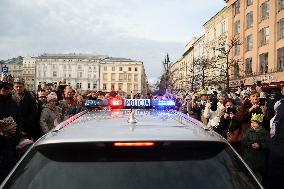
51	96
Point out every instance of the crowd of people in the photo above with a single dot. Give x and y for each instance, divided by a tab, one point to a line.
250	120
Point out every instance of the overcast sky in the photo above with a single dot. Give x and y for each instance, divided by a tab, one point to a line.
143	30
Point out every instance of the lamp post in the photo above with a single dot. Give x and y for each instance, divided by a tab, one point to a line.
166	64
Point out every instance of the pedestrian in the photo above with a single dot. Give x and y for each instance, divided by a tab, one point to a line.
10	126
51	114
255	142
276	155
28	109
78	106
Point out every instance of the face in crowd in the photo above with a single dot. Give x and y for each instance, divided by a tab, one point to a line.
229	104
5	89
254	98
68	92
19	88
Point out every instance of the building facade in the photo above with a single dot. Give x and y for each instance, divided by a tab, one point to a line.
81	71
29	72
260	25
91	72
216	32
14	65
123	75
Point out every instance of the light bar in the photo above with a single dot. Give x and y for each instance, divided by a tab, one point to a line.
116	102
133	144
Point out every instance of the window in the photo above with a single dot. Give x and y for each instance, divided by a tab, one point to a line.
69	66
237	50
79	85
237	7
237	27
280	5
113	76
69	75
249	2
80	74
264	10
120	85
64	66
249	19
236	71
135	77
94	86
264	34
120	68
120	77
223	27
129	86
112	88
54	74
135	87
54	66
79	67
95	76
129	77
214	30
104	86
281	29
112	68
263	63
249	42
95	68
105	76
248	65
280	59
89	85
125	77
129	69
105	68
136	69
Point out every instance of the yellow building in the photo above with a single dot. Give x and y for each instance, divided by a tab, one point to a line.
260	26
120	74
15	66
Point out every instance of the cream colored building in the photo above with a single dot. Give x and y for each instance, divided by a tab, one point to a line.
216	31
120	74
260	25
29	72
81	71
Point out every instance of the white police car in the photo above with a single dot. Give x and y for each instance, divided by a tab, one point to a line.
131	148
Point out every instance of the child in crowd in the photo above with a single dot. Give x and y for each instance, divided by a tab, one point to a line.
255	143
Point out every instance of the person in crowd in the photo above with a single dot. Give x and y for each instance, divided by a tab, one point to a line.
51	114
78	106
213	113
255	141
28	109
10	126
276	155
68	94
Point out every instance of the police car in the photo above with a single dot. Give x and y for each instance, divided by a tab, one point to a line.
137	147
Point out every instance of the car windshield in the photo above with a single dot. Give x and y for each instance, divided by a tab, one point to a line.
200	166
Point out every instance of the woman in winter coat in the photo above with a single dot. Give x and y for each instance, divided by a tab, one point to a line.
51	114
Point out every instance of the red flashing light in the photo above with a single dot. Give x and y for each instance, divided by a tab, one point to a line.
116	102
133	144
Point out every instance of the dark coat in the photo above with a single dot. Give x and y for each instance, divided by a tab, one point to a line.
256	158
8	152
29	112
276	156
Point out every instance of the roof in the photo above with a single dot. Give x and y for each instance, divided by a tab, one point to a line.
71	56
218	13
18	60
152	125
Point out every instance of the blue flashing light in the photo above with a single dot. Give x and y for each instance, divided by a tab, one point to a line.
96	103
163	103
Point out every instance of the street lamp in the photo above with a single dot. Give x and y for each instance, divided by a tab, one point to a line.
166	64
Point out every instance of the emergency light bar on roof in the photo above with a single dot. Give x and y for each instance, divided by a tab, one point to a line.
132	103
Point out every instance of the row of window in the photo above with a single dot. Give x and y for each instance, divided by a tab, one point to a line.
121	69
120	86
263	64
121	77
264	7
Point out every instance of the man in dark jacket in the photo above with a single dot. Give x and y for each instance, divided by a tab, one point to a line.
276	156
28	109
10	127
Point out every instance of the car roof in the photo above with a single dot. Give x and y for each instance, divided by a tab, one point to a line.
112	126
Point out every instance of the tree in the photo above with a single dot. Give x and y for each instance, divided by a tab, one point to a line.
226	49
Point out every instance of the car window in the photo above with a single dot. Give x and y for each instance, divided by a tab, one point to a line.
202	166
